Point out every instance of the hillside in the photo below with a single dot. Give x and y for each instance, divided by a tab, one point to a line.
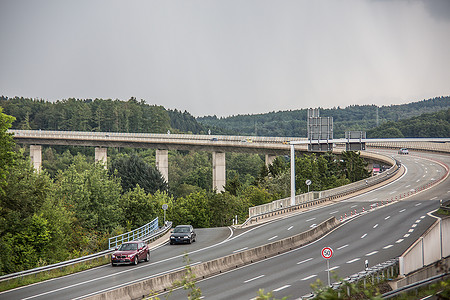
355	117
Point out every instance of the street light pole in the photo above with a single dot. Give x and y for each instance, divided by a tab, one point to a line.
292	175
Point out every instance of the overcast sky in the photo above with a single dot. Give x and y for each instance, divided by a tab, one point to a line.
227	57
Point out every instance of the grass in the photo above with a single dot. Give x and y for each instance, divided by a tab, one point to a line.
55	273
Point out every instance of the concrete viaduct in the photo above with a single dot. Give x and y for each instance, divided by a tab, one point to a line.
218	145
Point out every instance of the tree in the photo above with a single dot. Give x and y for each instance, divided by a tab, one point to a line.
354	166
134	171
7	154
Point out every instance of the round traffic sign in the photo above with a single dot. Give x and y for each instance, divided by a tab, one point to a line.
308	182
327	252
165	206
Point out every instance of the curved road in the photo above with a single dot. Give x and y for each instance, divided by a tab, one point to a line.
291	273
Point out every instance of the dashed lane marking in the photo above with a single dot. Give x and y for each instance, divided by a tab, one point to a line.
388	246
281	288
399	241
274	237
372	253
364	235
255	278
353	260
309	277
303	261
342	247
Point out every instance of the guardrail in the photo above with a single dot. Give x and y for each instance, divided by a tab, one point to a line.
314	198
136	234
161	231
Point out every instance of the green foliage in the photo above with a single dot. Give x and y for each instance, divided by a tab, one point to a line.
268	296
7	154
354	166
134	171
138	207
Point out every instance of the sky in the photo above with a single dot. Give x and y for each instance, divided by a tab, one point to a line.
227	57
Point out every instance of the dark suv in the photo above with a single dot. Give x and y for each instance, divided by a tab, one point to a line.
183	234
130	253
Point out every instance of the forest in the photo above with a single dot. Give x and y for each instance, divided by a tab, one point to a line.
354	117
80	204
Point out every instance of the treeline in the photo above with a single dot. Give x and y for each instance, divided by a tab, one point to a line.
100	115
354	117
427	125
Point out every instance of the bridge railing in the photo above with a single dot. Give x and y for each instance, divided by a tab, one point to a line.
136	234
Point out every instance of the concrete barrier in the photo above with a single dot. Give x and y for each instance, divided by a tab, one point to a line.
164	282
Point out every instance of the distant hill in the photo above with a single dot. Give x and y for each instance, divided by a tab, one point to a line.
354	117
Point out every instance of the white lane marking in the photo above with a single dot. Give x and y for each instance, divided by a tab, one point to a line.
309	277
333	268
406	235
364	235
422	217
414	225
418	221
372	253
290	227
418	204
399	241
375	226
407	186
392	192
281	288
400	211
239	250
375	199
333	212
387	217
274	237
353	206
417	180
388	246
255	278
310	219
434	198
411	230
313	225
342	247
303	261
353	260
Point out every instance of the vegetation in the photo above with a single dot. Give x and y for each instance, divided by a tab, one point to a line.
354	117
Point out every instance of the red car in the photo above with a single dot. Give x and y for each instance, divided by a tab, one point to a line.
130	253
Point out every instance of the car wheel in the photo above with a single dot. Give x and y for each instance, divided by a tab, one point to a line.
147	258
112	264
136	260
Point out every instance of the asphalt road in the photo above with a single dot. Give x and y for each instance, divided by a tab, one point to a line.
288	274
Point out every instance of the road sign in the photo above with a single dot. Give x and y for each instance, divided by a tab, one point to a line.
308	182
327	252
164	206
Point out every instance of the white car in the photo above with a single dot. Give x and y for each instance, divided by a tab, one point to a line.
403	151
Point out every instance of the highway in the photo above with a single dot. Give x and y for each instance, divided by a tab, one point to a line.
377	236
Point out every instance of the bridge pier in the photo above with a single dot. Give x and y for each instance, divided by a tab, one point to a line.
101	155
162	163
219	171
269	159
36	157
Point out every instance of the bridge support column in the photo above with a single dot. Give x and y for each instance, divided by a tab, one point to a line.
219	171
162	163
101	155
36	157
269	159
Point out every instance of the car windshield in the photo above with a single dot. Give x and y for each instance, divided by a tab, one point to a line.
128	247
181	229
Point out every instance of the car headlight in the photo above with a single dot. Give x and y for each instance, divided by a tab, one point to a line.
130	255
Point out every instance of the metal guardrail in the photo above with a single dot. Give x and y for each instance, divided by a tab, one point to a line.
156	234
415	286
136	234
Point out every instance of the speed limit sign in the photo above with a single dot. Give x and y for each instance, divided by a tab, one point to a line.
327	252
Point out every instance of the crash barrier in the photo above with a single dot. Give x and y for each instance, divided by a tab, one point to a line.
374	275
432	246
417	285
313	198
445	206
153	236
134	235
164	282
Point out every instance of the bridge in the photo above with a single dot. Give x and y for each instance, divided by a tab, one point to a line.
217	144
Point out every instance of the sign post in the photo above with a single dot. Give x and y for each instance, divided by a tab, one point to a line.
164	207
308	183
327	253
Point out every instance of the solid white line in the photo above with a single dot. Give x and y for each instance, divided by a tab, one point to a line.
399	241
258	277
364	235
400	211
310	219
281	288
353	260
342	247
375	226
239	250
309	277
290	227
274	237
388	246
303	261
372	253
